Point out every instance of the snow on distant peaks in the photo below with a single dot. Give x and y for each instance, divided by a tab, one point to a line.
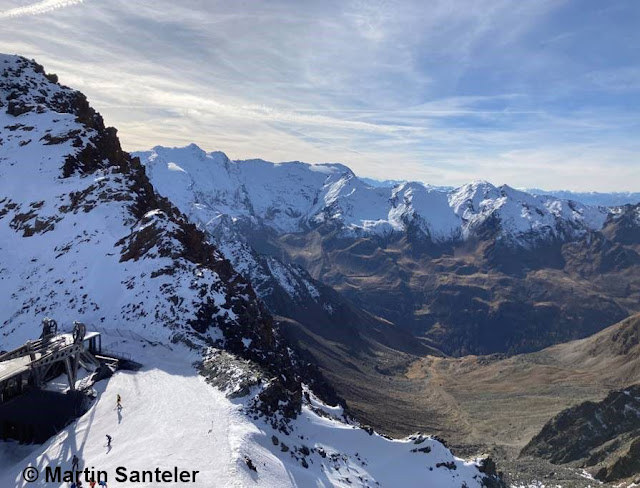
609	199
293	197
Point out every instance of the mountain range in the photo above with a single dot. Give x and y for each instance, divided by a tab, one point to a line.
422	272
310	308
296	197
477	269
603	199
84	235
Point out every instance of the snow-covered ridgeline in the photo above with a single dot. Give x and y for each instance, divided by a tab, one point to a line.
97	245
293	197
611	199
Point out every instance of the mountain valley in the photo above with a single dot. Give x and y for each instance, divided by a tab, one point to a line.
305	304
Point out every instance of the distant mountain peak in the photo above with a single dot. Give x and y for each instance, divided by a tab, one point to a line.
331	194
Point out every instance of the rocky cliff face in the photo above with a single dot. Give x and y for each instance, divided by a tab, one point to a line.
601	436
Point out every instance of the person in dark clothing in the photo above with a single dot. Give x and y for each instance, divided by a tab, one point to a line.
108	440
74	463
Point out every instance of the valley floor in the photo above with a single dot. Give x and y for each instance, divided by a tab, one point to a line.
488	405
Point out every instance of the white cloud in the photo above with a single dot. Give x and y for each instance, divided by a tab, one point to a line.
38	8
438	91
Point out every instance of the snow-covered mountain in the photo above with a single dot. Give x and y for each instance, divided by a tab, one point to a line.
522	217
387	249
612	199
287	289
84	236
601	199
296	197
216	205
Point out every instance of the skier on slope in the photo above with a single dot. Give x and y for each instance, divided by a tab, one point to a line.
108	440
119	402
74	463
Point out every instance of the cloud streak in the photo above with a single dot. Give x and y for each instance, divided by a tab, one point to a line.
442	92
38	8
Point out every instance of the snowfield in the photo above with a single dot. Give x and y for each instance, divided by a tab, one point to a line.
172	417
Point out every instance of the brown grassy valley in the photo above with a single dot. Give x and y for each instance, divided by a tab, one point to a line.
480	404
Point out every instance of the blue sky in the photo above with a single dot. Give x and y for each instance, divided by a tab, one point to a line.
531	93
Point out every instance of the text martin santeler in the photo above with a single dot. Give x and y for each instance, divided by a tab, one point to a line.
122	475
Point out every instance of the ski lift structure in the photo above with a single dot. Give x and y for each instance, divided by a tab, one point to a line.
25	372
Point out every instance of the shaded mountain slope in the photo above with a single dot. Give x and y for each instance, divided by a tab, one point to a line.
601	436
507	400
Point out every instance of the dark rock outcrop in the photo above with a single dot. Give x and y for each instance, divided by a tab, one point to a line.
601	436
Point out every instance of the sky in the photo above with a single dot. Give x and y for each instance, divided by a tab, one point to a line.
531	93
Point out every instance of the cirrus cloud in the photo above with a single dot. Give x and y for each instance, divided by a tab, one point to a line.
38	8
438	91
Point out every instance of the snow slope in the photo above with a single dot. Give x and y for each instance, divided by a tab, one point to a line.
293	197
172	417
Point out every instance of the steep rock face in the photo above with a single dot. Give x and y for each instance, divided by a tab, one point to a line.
84	236
603	436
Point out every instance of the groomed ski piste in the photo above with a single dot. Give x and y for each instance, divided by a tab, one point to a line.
172	418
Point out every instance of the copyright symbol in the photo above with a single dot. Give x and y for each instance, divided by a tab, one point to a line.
30	474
